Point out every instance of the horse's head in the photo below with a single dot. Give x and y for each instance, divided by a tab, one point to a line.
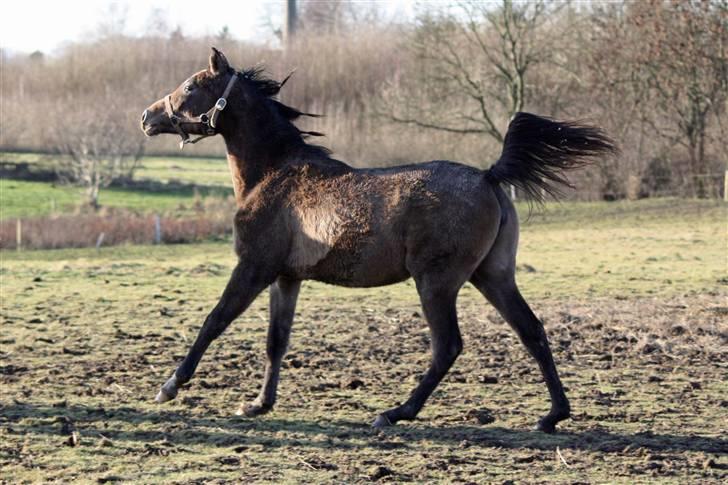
195	107
198	107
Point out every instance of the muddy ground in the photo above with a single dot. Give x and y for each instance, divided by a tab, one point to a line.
648	402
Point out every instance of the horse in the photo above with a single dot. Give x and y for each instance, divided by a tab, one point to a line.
303	215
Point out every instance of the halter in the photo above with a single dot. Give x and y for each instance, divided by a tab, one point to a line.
208	120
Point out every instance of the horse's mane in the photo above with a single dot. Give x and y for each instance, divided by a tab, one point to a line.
270	88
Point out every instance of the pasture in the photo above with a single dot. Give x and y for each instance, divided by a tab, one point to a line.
633	297
161	184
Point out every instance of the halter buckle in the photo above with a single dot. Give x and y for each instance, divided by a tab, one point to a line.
220	104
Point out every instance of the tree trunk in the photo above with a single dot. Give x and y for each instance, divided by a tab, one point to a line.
93	196
701	168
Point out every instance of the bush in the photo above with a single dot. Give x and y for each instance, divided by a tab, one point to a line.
118	227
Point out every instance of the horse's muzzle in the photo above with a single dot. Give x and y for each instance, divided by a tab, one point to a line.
153	120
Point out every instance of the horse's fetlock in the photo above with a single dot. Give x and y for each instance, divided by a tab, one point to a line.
408	411
181	377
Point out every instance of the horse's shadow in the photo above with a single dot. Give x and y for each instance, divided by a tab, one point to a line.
182	429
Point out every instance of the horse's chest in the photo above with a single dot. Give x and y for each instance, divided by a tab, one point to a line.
315	234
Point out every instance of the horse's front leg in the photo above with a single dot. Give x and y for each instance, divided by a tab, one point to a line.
283	297
246	282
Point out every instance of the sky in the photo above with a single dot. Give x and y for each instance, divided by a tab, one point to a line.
30	25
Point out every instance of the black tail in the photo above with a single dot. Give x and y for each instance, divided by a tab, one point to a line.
537	150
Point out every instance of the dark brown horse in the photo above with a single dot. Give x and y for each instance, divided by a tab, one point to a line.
304	215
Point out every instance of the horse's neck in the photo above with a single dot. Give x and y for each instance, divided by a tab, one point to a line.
237	173
248	166
253	153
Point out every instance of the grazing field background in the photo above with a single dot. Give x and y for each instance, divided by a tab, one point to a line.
100	300
632	294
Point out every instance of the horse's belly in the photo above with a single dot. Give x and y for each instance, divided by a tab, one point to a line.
353	259
360	269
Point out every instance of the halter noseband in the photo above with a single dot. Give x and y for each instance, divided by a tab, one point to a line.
207	120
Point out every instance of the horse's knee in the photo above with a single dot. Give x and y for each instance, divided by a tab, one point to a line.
216	323
455	347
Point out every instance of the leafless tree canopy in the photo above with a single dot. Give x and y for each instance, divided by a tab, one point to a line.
98	148
652	73
472	64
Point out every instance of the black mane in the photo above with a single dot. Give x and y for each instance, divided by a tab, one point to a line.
270	88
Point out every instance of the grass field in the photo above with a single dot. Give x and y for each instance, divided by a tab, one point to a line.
178	183
633	296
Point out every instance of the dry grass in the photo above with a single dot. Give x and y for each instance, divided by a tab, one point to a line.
112	229
343	76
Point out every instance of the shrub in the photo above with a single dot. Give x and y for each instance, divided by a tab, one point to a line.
118	227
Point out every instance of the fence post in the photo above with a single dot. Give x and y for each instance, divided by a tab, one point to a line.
100	240
157	229
725	186
18	235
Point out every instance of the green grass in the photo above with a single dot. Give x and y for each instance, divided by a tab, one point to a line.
197	171
632	294
19	198
187	180
650	247
184	170
88	336
37	161
663	246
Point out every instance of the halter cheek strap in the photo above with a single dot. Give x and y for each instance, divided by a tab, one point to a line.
207	121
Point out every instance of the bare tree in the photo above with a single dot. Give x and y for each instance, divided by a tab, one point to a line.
684	64
115	16
668	62
97	149
336	16
471	67
157	23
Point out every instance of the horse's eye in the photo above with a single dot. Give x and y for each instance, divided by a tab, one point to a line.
189	88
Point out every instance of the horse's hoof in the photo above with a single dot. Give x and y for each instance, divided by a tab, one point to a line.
163	396
168	391
251	410
382	421
546	426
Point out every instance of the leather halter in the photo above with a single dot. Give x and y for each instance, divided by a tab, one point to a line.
208	120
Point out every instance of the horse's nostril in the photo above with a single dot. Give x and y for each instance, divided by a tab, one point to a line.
144	116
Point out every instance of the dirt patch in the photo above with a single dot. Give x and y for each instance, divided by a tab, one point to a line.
644	375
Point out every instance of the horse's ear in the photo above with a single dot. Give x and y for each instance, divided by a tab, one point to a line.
218	62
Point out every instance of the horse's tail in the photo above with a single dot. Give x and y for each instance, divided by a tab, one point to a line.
537	150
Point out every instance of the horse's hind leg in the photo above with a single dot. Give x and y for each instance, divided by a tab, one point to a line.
283	297
245	284
501	290
438	305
